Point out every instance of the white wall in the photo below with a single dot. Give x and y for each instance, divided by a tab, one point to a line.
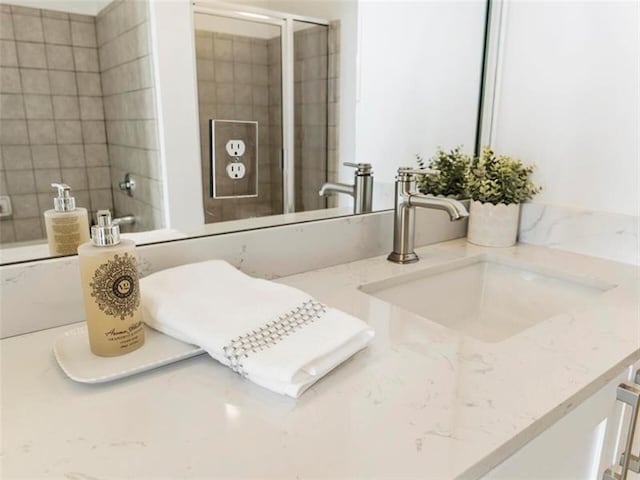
177	106
568	100
419	81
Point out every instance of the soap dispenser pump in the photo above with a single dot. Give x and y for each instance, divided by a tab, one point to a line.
67	225
111	291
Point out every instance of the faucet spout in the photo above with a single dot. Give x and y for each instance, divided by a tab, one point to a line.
454	208
407	199
329	187
361	190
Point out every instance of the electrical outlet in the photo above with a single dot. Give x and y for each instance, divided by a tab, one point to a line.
236	148
236	170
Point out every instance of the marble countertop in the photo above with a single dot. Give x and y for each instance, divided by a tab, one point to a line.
423	401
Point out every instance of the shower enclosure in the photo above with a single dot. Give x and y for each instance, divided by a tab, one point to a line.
267	95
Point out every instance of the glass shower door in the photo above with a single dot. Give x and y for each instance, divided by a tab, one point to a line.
313	93
240	99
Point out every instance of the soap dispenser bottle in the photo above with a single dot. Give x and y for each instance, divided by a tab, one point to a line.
109	273
67	225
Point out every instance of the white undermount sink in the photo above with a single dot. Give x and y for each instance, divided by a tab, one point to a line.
485	297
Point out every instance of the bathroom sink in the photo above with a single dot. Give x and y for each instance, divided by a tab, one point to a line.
487	298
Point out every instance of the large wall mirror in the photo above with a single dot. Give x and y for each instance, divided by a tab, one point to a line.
188	119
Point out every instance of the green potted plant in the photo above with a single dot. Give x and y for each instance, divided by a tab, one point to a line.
497	186
450	182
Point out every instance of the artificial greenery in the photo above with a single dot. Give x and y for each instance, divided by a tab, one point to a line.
499	179
450	182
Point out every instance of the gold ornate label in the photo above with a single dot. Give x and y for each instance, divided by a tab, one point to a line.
115	286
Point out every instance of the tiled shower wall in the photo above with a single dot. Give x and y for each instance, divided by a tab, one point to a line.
316	102
316	95
124	49
51	116
234	84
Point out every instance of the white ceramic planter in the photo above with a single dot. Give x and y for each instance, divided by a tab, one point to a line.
493	225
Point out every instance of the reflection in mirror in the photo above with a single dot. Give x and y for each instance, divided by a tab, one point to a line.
241	76
78	108
286	94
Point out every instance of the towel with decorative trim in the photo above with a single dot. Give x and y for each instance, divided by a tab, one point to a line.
274	335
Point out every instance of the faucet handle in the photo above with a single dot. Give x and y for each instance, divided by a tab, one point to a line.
362	168
417	171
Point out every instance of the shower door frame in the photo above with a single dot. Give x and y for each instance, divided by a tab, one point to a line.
286	23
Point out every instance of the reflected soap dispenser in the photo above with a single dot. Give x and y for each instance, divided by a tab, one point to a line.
111	292
67	225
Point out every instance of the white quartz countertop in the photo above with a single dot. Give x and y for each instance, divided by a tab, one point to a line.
423	401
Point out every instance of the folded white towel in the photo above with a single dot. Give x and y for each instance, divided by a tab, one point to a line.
274	335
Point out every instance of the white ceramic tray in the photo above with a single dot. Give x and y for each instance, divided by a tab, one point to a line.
76	360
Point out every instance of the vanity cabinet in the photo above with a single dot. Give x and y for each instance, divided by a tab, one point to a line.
581	445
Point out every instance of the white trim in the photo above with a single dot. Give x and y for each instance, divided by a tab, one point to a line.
174	71
221	12
493	70
288	119
234	8
212	122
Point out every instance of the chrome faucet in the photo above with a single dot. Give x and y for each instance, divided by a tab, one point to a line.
406	199
361	190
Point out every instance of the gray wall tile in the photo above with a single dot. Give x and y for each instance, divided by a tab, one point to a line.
60	57
31	55
71	155
56	31
28	28
6	26
129	110
223	49
16	157
86	59
93	131
83	34
97	155
74	17
10	80
8	53
25	206
41	132
54	14
91	108
89	84
11	106
224	72
45	156
27	229
44	177
66	107
68	131
13	132
35	81
101	198
20	182
242	51
99	177
76	178
38	107
63	83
